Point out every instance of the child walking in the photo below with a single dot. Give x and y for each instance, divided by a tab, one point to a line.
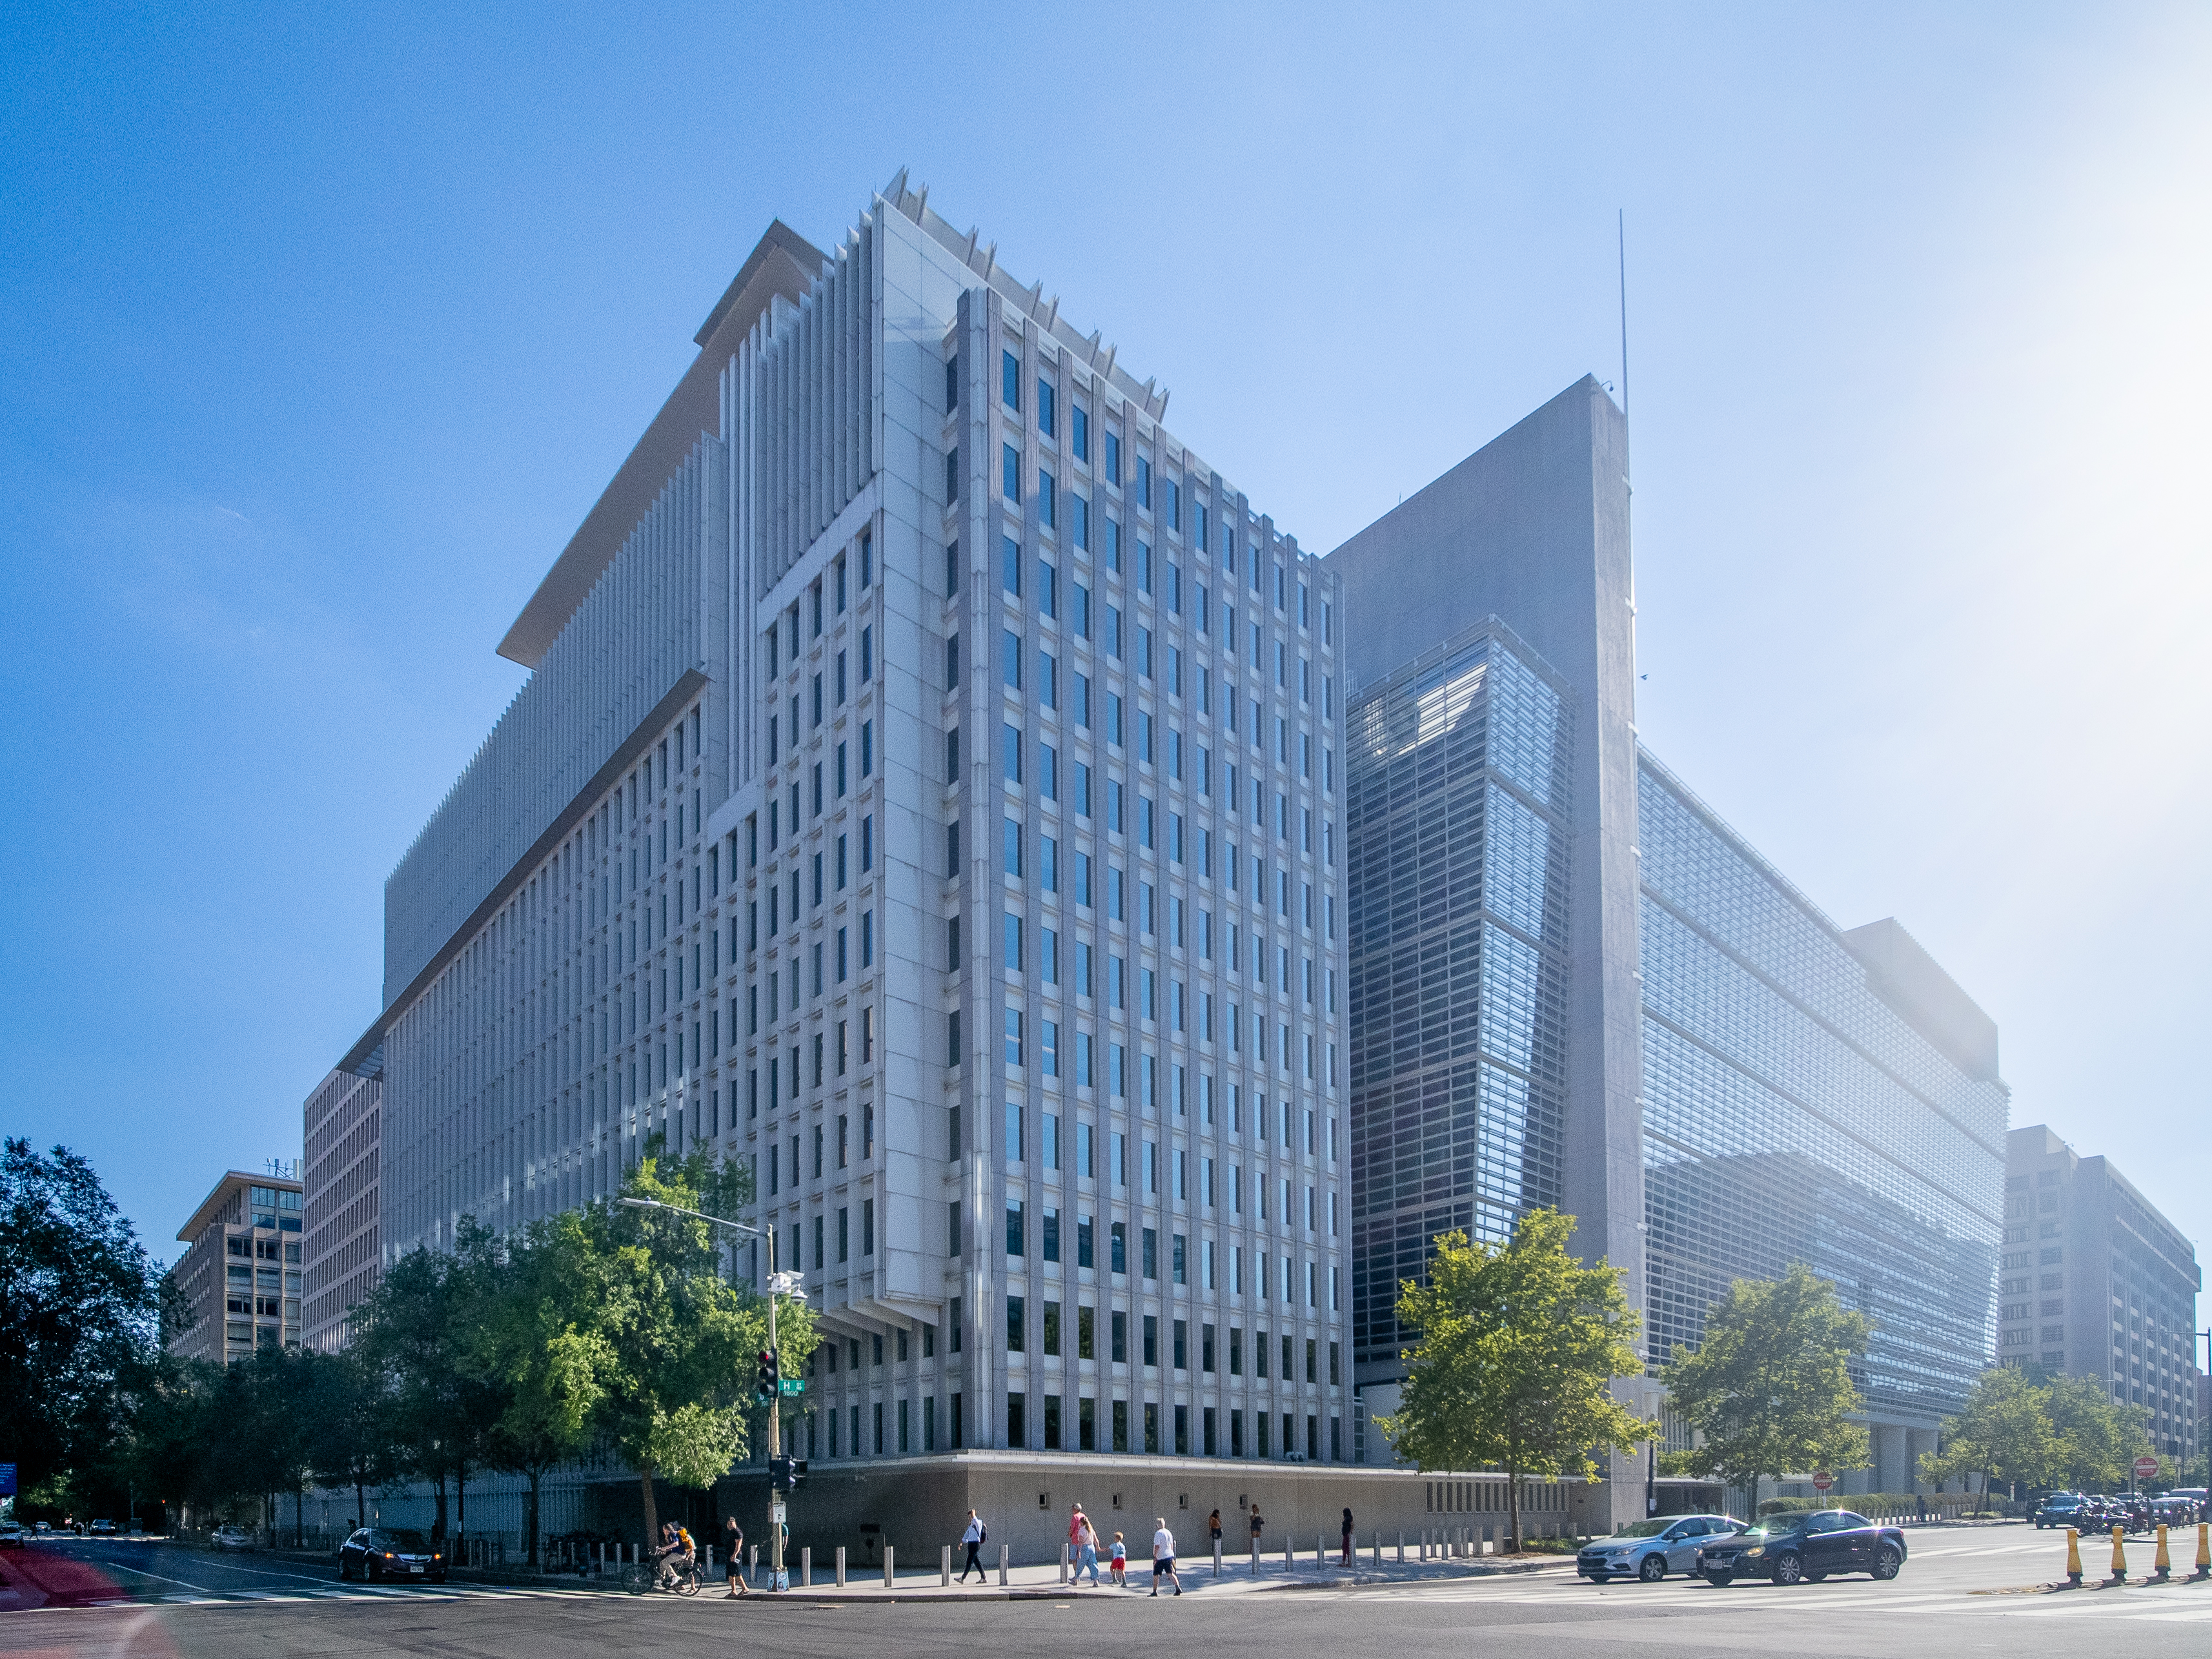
1120	1571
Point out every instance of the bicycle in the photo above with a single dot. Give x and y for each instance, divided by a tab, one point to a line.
641	1577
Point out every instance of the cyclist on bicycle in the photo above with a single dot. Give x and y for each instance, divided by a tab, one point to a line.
676	1555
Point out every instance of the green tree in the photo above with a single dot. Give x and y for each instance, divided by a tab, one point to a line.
1519	1345
1770	1387
348	1429
675	1340
411	1338
2098	1438
2004	1432
536	1335
79	1301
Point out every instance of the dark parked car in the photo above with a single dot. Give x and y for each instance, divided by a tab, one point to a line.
1803	1549
380	1553
2060	1509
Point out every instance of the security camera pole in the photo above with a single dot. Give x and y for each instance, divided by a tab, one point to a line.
771	1371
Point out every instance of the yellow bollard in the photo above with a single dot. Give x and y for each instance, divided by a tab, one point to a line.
2119	1559
2160	1566
2072	1556
2203	1552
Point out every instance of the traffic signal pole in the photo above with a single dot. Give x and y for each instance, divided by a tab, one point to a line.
774	1432
775	1497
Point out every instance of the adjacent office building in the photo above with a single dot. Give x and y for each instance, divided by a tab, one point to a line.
2096	1283
927	790
240	1275
1573	984
344	1123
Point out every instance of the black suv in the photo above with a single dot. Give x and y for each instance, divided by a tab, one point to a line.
381	1553
1803	1549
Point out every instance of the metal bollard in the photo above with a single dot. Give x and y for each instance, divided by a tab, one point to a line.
1063	1564
945	1566
1216	1558
1378	1547
1002	1566
841	1566
752	1565
806	1567
887	1567
1289	1565
1401	1549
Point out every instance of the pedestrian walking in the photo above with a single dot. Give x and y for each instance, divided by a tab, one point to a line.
734	1541
1120	1562
973	1538
1087	1548
1347	1538
1163	1559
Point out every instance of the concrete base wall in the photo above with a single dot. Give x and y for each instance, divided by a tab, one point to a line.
917	1505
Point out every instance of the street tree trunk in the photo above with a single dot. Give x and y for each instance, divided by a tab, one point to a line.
1513	1513
652	1514
536	1475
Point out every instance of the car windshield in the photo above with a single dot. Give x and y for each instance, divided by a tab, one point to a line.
407	1540
1644	1529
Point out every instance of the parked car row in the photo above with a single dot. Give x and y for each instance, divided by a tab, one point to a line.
2131	1511
1787	1549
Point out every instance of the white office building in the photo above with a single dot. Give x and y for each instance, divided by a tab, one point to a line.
927	789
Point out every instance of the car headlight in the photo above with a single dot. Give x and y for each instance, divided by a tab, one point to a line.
1756	1549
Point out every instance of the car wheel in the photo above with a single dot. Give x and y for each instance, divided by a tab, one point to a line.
1816	1577
1789	1569
1720	1580
1887	1561
345	1573
1654	1568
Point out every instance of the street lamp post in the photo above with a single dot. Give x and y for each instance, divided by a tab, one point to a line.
775	1284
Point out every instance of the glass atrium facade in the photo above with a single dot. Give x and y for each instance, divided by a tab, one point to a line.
1456	826
1792	1113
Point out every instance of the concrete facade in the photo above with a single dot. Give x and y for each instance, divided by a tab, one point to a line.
2097	1283
341	1200
932	799
240	1274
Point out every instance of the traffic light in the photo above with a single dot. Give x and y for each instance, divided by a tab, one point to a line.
771	1368
785	1473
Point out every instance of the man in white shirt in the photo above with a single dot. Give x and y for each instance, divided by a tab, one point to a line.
973	1538
1164	1558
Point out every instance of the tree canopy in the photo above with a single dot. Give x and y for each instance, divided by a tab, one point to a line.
1769	1390
81	1300
1519	1345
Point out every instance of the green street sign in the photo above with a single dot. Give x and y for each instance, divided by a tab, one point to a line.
791	1385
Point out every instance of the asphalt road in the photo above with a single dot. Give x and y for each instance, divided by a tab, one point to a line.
1965	1590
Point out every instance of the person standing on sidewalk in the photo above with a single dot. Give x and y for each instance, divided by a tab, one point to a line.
973	1538
1347	1538
733	1540
1214	1530
1258	1527
1087	1548
1163	1559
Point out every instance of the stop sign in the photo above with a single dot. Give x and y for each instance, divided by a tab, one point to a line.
2146	1468
1822	1480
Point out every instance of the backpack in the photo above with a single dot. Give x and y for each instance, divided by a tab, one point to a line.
983	1533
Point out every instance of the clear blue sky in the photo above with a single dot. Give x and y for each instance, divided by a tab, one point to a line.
320	328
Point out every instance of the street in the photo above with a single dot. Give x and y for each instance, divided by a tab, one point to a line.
1964	1589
